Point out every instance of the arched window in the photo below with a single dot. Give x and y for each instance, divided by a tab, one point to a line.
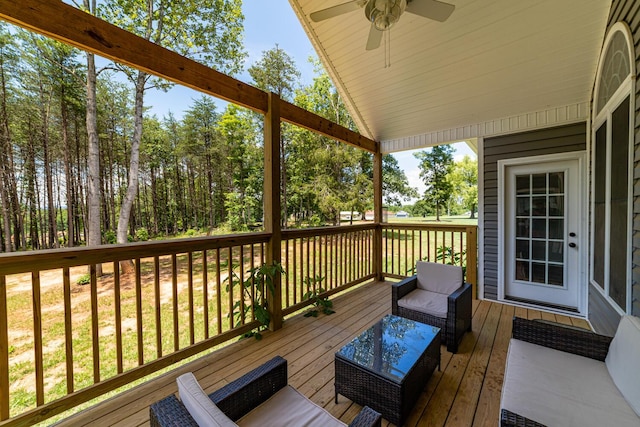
611	169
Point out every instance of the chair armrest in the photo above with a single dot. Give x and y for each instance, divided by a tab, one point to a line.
560	337
510	419
170	412
458	315
402	288
241	396
367	418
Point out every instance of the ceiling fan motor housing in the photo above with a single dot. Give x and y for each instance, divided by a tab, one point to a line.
384	13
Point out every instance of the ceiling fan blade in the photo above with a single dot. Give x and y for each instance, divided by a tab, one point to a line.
432	9
330	12
375	37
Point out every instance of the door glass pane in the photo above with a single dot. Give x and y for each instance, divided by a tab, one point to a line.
539	240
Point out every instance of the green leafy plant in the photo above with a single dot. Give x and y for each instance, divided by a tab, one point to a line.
319	304
262	280
85	279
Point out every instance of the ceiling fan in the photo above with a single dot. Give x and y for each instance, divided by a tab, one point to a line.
384	13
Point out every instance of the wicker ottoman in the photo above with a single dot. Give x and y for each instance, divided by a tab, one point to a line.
387	366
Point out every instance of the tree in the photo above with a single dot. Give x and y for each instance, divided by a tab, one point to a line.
276	72
209	31
464	179
395	185
435	166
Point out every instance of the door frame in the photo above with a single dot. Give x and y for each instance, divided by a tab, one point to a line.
581	157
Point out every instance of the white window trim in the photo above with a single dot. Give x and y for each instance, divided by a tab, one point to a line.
626	88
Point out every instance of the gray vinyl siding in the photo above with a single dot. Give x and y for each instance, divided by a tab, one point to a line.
629	12
535	143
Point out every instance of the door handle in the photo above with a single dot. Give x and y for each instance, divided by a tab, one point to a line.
572	234
572	245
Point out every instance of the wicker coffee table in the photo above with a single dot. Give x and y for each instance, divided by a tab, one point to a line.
387	366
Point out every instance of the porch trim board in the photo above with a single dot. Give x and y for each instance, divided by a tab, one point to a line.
550	117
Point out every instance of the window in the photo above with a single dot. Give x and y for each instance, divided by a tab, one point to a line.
610	253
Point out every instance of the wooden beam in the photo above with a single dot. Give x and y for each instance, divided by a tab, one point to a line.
301	117
272	205
73	26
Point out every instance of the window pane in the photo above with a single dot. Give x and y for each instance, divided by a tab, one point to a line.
556	251
556	275
539	250
522	270
599	194
522	184
539	182
522	208
538	273
556	229
539	206
556	205
619	204
556	183
522	227
539	228
522	248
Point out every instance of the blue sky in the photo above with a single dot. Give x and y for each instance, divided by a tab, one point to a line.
267	23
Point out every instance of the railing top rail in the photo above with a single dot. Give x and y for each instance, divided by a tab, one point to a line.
325	231
50	259
418	226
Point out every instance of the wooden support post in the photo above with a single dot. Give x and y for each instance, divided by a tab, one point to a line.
4	351
377	213
472	259
272	214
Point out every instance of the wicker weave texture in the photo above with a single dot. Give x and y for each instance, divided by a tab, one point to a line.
392	399
241	396
457	322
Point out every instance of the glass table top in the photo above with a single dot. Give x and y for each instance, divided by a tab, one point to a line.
391	347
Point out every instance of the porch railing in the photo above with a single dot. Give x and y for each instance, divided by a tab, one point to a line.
156	303
404	244
324	261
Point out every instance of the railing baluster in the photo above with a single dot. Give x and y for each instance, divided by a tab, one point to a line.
230	281
118	316
138	269
4	350
158	310
192	332
218	295
295	283
94	324
287	288
243	319
68	330
205	289
37	337
174	283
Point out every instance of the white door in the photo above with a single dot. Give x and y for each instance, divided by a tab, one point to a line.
542	227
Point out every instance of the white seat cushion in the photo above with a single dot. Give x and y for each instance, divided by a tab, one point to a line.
441	278
562	389
289	408
200	407
623	360
428	302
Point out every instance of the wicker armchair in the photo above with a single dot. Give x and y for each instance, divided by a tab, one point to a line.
239	397
455	320
558	337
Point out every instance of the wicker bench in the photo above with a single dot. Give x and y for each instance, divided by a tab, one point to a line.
242	396
558	375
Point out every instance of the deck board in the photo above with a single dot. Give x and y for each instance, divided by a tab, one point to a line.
465	392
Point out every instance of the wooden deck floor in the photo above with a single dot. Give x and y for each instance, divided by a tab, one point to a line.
466	392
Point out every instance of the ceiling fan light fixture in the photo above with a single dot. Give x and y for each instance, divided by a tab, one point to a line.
384	13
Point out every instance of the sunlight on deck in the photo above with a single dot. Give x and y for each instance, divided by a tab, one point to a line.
466	392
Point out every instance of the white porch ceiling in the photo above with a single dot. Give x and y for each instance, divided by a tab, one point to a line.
494	66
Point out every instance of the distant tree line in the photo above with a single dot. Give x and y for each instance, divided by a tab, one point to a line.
196	173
